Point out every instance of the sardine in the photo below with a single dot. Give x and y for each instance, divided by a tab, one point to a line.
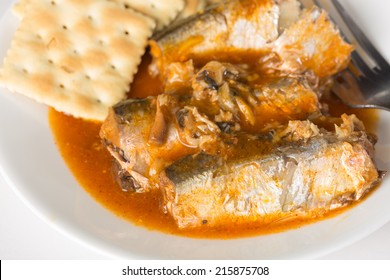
232	95
131	134
238	24
306	171
278	33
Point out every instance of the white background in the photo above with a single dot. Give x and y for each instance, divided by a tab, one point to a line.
24	236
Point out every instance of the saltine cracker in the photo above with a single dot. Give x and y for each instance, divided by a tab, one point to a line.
78	56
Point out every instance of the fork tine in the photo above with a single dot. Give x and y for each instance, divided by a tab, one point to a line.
360	37
362	66
345	84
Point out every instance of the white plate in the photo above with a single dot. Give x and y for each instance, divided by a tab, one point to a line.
30	163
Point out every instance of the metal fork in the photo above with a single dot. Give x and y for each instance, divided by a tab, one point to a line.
366	83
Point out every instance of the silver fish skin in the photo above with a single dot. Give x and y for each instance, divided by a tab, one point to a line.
308	171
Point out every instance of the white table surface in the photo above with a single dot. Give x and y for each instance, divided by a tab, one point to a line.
25	236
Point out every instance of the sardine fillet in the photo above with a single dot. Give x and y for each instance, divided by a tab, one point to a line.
239	24
282	36
313	42
298	178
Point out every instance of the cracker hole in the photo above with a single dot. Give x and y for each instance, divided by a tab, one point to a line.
64	27
53	3
101	42
24	70
87	77
127	6
113	67
75	52
98	101
127	33
50	61
90	17
62	86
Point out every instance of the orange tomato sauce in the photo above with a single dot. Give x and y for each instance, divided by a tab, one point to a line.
81	148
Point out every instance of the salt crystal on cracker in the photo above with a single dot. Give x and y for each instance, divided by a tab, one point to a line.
162	11
78	56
